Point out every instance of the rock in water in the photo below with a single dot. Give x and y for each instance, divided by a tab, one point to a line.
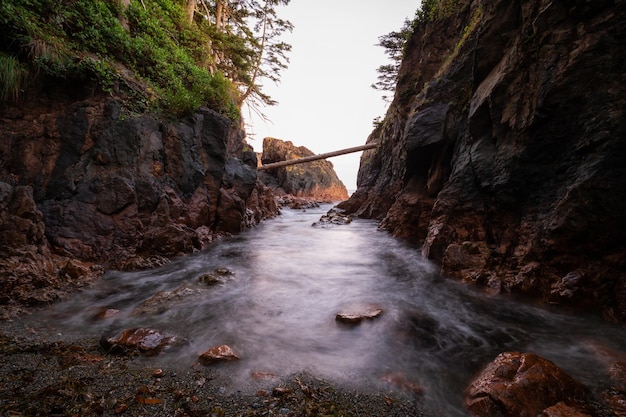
216	354
145	340
356	314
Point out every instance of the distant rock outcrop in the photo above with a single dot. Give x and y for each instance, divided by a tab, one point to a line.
503	152
315	180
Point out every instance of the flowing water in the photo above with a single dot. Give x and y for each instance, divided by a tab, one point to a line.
289	279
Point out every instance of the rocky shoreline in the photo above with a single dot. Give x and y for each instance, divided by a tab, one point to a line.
79	377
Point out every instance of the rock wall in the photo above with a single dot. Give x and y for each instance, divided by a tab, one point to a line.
82	180
316	180
503	152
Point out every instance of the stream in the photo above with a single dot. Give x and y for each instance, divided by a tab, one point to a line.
289	280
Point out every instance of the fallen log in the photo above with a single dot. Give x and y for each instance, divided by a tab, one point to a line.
317	157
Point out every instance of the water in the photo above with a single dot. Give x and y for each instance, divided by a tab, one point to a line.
277	311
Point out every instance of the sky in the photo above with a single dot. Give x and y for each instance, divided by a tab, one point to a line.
325	99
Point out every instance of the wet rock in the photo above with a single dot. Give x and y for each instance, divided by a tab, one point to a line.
521	384
562	409
215	277
616	401
466	261
170	240
217	354
296	203
334	216
356	314
86	183
145	340
165	300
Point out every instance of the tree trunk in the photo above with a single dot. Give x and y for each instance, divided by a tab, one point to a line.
191	10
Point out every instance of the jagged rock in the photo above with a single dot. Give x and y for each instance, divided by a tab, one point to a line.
82	179
506	131
216	354
145	340
30	273
215	277
358	313
521	384
316	180
334	216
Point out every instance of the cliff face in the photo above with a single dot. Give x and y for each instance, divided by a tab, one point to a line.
316	180
503	151
83	182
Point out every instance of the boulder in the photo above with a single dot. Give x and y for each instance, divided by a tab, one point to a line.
357	313
144	340
521	385
217	354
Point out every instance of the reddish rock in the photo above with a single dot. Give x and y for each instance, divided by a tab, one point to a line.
222	353
564	410
144	340
617	402
400	380
358	313
316	180
520	385
262	375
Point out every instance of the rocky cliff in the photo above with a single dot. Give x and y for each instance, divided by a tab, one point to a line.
85	185
315	180
503	152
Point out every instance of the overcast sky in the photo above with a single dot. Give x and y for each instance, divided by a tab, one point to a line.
325	101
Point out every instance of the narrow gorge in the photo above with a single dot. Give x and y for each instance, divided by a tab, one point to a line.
149	267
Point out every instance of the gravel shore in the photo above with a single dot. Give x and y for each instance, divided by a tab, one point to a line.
80	378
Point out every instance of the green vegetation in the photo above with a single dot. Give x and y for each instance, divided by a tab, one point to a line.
162	54
12	77
432	10
394	43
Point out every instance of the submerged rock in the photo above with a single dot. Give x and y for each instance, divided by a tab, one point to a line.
165	300
215	277
400	380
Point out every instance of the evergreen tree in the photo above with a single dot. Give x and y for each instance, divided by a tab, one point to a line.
394	44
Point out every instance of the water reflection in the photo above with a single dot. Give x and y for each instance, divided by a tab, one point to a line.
289	280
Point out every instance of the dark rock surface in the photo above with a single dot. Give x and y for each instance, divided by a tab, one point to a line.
503	151
315	180
82	179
